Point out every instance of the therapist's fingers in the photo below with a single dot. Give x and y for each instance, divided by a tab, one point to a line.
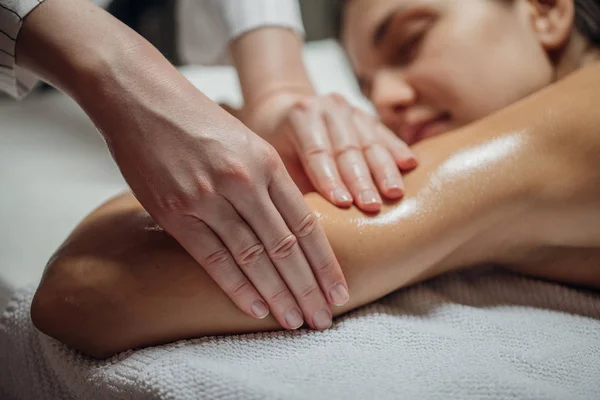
381	163
283	247
309	136
208	250
253	256
399	150
305	226
347	148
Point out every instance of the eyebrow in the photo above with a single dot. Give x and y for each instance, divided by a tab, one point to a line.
382	30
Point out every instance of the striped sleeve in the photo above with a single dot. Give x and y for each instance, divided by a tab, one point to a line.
15	81
207	26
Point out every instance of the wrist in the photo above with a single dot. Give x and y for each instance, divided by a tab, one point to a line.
271	73
264	114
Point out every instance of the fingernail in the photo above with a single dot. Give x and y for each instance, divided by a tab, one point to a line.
294	318
369	197
411	162
341	196
322	319
339	294
260	309
393	186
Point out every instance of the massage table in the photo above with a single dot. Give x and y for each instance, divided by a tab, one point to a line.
475	334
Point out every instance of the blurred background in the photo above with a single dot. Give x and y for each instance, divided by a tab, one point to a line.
156	21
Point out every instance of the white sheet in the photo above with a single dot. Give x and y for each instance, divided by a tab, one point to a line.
474	335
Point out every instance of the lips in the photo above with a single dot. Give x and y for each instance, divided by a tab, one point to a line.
415	132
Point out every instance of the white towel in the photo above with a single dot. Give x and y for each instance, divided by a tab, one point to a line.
474	335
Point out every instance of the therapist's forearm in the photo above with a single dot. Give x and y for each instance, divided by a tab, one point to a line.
108	68
271	70
70	43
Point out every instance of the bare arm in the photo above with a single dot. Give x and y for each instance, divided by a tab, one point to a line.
497	191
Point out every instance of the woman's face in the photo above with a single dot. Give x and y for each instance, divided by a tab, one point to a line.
430	66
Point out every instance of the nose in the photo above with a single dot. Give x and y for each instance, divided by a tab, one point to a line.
391	95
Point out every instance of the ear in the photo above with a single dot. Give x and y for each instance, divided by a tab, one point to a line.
552	21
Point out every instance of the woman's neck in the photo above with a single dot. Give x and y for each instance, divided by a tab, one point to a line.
578	53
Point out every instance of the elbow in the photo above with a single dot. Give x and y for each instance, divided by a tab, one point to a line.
65	308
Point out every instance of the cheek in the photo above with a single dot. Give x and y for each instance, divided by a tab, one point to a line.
472	70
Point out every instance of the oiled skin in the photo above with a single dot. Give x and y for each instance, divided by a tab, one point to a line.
520	188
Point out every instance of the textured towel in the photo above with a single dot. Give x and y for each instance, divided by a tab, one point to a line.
481	334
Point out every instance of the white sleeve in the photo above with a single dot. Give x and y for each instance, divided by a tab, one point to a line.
15	81
205	27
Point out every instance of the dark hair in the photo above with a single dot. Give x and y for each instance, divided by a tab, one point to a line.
587	18
338	14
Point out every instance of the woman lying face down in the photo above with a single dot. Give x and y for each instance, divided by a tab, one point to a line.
520	187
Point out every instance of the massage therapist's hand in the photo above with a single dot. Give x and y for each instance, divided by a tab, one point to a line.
346	153
220	190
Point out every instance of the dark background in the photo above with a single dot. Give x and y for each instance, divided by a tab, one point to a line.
155	20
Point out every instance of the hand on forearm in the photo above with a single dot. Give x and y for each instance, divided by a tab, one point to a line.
347	155
125	274
120	282
200	173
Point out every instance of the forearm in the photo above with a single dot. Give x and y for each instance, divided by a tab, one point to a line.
120	282
578	266
69	43
104	65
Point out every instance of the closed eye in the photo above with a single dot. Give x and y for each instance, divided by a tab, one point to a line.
409	49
